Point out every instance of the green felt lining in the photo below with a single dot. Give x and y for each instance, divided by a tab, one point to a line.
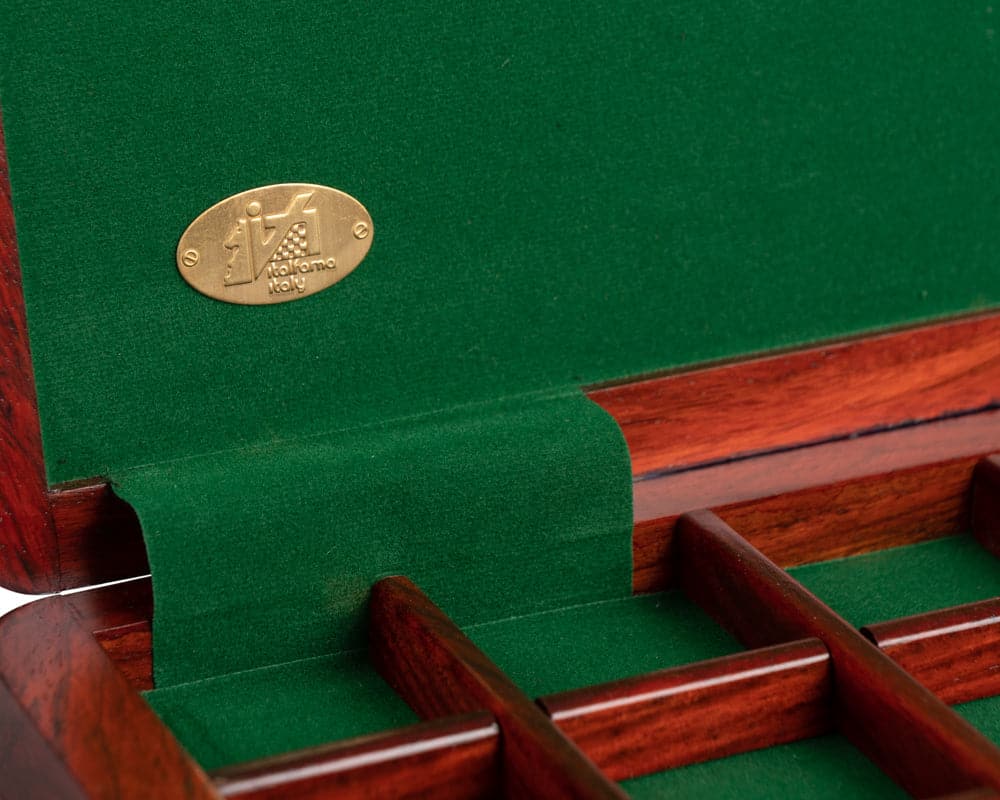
824	768
562	194
247	715
901	581
268	555
244	716
984	714
600	642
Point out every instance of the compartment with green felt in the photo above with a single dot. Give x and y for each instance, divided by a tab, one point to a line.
824	768
984	714
901	581
595	643
243	716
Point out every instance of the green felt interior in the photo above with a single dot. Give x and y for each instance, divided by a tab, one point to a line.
246	715
239	717
600	642
901	581
242	716
265	555
984	714
825	767
561	194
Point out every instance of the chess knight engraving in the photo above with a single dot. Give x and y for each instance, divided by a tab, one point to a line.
274	244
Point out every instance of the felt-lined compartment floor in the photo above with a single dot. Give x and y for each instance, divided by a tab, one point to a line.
249	715
824	767
600	642
984	714
901	581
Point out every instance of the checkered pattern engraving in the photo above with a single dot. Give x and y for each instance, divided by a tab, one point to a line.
294	245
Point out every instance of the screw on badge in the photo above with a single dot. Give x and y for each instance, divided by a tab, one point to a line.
360	229
190	258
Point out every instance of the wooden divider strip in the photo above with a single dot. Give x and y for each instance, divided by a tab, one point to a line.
890	489
448	759
701	711
424	656
954	652
898	723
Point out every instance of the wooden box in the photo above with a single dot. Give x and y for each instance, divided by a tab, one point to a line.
835	508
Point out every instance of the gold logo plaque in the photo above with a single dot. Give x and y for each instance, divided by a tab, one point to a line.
273	244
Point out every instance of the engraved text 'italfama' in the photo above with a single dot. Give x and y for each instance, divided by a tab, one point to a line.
289	276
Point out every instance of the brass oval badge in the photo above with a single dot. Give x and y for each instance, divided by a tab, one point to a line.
275	243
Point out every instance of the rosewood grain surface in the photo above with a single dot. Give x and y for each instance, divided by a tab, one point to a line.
423	655
120	618
813	395
702	711
29	559
29	766
954	652
876	700
83	722
448	759
826	501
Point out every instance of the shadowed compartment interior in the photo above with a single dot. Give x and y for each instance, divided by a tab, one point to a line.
248	715
901	581
824	768
599	642
257	713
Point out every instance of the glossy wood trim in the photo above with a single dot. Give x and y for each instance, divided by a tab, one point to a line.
762	604
827	501
701	711
29	556
85	725
448	759
663	719
812	395
437	669
29	766
954	652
